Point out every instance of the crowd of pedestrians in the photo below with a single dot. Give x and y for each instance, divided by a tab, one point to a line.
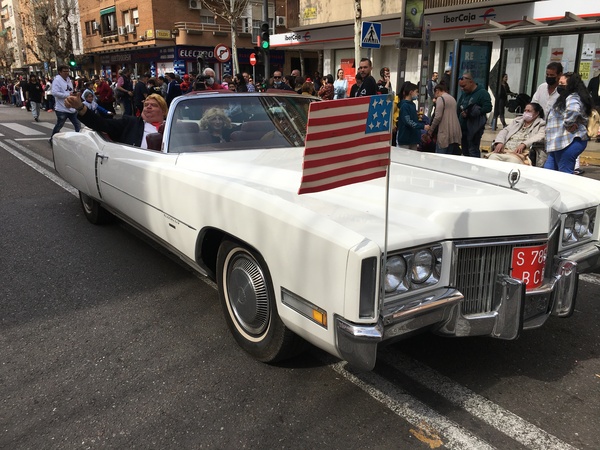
551	133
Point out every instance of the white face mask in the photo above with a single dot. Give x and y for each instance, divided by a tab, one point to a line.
527	116
210	81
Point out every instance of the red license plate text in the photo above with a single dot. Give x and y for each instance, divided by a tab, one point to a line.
528	264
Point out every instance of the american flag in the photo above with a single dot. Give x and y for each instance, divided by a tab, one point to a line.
347	141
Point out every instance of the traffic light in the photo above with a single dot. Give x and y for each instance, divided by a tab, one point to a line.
72	61
264	36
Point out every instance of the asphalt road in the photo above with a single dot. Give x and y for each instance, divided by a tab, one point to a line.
109	342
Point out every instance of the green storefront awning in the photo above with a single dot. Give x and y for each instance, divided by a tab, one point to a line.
110	10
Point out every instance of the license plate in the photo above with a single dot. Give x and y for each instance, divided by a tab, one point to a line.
528	265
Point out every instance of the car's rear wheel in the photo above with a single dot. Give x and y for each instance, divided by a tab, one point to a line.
248	301
93	211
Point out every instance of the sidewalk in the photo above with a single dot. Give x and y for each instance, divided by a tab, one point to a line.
590	157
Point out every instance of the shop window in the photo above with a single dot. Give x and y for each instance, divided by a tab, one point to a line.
588	64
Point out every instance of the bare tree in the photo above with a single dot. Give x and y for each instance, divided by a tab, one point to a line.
231	11
7	59
51	25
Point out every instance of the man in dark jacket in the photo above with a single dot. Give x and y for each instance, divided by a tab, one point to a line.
140	92
369	85
472	119
34	93
173	88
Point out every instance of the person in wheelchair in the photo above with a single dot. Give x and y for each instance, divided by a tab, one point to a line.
513	143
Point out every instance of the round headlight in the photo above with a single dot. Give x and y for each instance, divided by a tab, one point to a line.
395	271
568	228
422	267
582	225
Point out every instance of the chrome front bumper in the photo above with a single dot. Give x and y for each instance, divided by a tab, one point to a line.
514	309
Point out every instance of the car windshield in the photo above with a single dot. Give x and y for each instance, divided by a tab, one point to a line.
237	122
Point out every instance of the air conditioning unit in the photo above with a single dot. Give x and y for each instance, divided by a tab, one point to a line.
130	28
95	26
280	21
121	31
195	4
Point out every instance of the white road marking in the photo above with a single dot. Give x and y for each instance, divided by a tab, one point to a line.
504	421
24	130
412	410
31	154
59	181
593	278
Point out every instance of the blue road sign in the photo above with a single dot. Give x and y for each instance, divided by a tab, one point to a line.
370	35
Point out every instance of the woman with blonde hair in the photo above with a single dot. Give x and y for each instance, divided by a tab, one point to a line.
218	124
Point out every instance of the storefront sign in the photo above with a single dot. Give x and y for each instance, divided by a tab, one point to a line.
585	67
412	25
309	13
475	57
556	54
163	34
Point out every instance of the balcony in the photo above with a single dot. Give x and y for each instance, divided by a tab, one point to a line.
214	29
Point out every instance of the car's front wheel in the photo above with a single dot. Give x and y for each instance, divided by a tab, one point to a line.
248	302
93	211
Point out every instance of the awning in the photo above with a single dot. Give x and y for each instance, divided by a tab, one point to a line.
110	10
568	24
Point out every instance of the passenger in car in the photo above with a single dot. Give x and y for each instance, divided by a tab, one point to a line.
129	130
514	142
218	124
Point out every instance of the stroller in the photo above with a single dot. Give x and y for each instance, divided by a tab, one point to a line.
518	104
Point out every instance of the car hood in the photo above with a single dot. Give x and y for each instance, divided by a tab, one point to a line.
431	197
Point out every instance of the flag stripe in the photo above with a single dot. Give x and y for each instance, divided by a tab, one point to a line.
343	157
316	157
308	188
348	102
345	169
335	144
357	130
311	167
328	120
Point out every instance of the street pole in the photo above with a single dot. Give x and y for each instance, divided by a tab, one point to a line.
266	52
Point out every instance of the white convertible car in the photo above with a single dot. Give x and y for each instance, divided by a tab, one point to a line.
474	247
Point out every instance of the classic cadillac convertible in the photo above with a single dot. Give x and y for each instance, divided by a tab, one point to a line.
474	247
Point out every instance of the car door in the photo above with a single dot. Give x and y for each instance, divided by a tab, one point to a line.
130	180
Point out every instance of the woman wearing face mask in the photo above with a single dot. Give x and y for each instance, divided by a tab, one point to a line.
514	142
409	125
566	129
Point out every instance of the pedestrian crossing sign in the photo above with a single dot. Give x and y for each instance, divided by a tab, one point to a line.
370	36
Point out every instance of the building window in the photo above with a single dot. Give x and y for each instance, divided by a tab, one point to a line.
207	17
135	16
246	24
108	19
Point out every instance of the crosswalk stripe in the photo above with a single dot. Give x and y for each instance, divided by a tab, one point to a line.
27	131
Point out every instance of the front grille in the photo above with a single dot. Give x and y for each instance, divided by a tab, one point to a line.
477	265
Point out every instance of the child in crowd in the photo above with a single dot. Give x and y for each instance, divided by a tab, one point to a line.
90	102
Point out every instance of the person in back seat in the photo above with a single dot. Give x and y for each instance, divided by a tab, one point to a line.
218	124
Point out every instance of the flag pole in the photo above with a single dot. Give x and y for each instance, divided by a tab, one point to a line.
385	232
386	217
